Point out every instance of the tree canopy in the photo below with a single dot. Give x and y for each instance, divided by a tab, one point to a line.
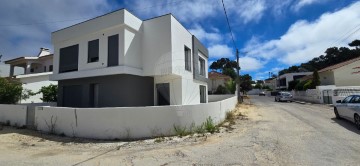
332	56
225	66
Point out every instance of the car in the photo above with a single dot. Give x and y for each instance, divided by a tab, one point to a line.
284	96
262	93
349	109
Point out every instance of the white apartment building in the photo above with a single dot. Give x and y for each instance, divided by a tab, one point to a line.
119	60
37	70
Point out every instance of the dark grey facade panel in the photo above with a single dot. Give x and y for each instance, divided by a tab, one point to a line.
113	50
69	58
113	91
198	47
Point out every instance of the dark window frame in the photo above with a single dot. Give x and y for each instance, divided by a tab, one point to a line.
93	51
187	54
202	67
69	58
50	67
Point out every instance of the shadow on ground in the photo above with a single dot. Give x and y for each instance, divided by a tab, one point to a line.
347	125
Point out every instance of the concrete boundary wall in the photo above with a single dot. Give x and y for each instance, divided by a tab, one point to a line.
214	98
15	114
128	122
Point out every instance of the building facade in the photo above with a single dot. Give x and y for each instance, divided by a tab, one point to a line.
118	60
282	82
37	70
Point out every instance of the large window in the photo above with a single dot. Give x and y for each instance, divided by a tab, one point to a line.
201	66
113	50
69	57
187	58
93	51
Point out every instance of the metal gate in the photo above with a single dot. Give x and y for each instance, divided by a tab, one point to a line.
327	96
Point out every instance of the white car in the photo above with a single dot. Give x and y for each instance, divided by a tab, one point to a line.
349	109
284	96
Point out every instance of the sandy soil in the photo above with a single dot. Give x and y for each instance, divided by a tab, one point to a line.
27	147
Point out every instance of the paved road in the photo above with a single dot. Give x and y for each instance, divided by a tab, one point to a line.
275	134
306	134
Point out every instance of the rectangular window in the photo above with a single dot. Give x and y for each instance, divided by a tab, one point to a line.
93	51
187	59
113	50
44	68
51	68
201	66
202	94
32	70
69	57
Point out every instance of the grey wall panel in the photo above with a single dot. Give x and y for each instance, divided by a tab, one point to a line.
197	46
114	91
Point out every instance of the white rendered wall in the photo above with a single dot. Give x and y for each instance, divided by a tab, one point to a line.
15	114
129	122
344	76
34	83
214	98
156	46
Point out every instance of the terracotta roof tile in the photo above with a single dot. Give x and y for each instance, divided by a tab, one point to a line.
336	66
217	75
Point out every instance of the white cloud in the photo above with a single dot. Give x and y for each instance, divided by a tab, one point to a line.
220	51
250	64
247	10
24	32
202	35
301	3
305	40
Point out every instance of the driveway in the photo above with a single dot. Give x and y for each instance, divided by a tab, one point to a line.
273	133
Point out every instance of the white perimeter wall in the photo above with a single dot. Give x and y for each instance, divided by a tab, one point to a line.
214	98
15	114
129	122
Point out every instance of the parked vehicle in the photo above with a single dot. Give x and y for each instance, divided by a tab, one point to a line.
284	96
262	93
349	109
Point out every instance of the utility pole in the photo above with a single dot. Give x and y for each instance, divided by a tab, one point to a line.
240	98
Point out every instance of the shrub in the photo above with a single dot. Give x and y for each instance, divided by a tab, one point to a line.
49	93
308	85
220	90
210	126
180	131
10	91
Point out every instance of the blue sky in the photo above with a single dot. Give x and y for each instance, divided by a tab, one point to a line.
270	34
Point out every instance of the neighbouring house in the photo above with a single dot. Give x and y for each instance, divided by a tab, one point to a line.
282	82
37	70
216	79
119	60
270	82
341	74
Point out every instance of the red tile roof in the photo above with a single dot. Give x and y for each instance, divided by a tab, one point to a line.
336	66
217	75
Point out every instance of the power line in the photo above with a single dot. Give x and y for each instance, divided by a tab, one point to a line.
227	20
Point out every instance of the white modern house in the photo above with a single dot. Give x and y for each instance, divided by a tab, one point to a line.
119	60
37	70
282	82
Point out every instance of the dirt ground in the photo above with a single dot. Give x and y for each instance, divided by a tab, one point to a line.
28	147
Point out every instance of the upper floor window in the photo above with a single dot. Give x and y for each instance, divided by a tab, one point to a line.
202	66
51	68
187	58
69	58
93	51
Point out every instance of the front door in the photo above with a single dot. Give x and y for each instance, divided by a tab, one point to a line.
163	94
